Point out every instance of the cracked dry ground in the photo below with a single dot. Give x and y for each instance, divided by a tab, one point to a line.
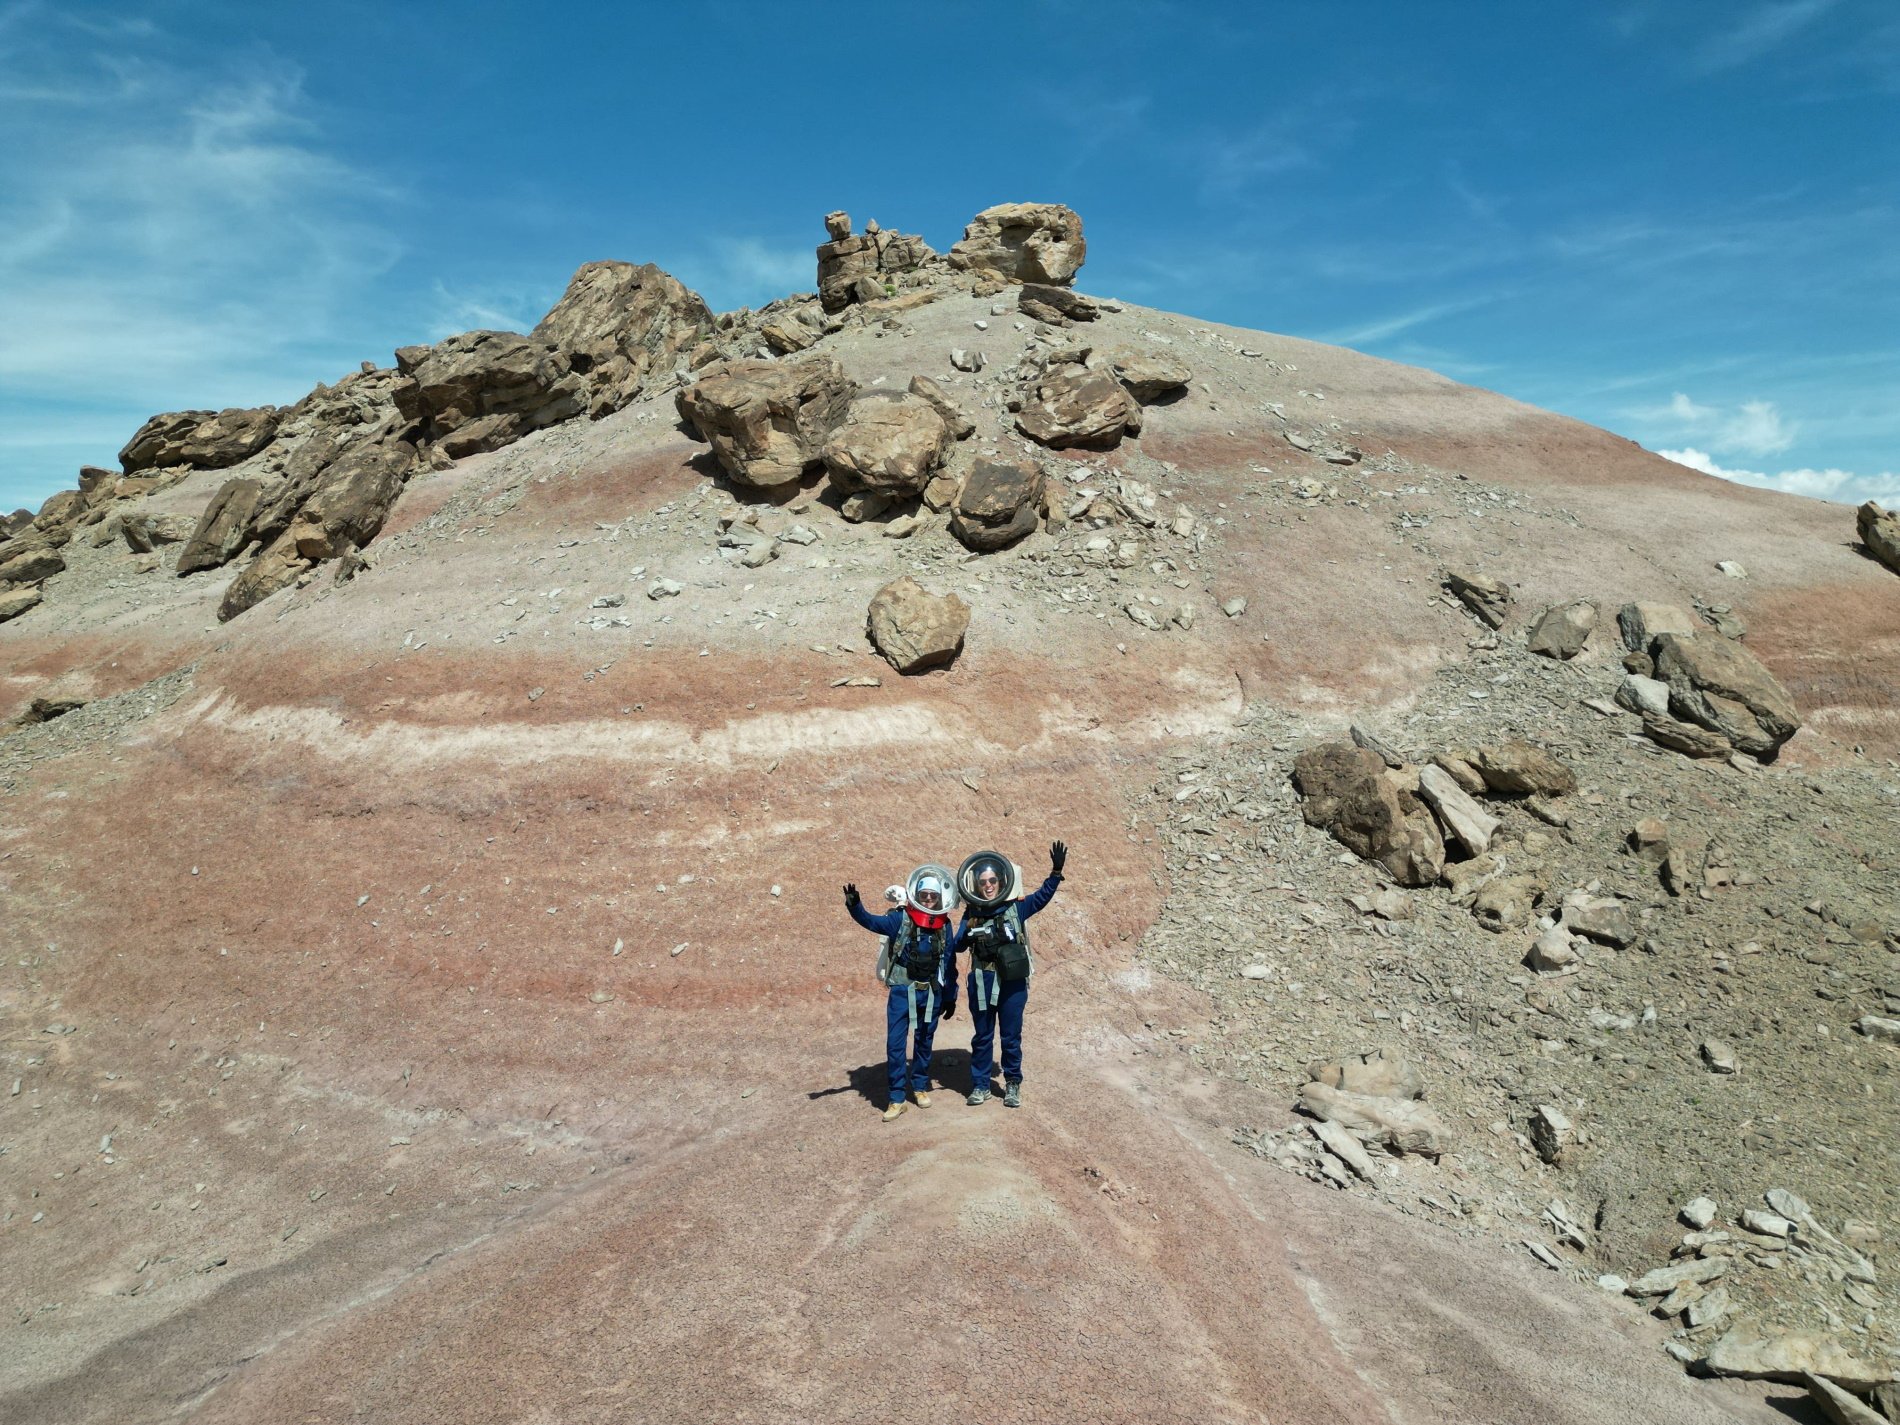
395	1043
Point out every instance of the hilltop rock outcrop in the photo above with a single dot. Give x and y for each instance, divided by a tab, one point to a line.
1023	242
204	440
486	389
768	421
855	268
620	326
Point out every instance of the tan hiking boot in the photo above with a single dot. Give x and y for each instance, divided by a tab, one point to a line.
922	1100
892	1113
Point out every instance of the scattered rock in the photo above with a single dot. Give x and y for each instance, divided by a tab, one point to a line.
1057	306
1023	242
865	267
14	602
1686	738
1457	813
1149	376
1402	1125
1488	598
1748	1350
915	629
1072	406
1887	1031
1698	1213
969	361
1602	918
1508	901
482	390
997	504
143	533
1348	795
1553	1135
1699	1271
1562	630
1649	838
1234	607
1645	696
1552	951
1345	1147
1383	1073
1517	768
768	421
1640	624
1839	1406
1717	1055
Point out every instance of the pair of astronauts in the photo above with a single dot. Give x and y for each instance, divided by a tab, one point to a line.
919	964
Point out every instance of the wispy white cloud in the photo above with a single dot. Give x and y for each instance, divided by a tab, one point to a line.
172	238
1843	486
1749	428
747	271
1761	30
1392	326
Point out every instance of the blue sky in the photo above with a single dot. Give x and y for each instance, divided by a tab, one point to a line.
1676	220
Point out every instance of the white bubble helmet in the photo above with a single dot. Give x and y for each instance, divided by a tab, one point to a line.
989	879
931	889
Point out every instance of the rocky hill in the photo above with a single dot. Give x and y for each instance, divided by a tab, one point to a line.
1475	996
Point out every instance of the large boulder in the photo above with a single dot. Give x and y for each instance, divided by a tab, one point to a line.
1640	623
1880	532
915	629
484	389
1718	684
31	566
1757	1353
14	602
204	440
998	504
143	533
222	528
350	502
857	268
1073	406
1023	242
960	425
276	567
1516	768
1347	794
768	421
1561	630
621	326
1058	306
61	510
888	441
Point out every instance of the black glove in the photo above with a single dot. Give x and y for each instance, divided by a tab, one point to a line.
851	896
950	1009
1058	857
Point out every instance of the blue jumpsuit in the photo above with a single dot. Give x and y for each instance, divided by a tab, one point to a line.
994	999
911	1011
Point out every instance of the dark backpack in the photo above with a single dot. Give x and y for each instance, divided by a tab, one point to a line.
1000	943
919	951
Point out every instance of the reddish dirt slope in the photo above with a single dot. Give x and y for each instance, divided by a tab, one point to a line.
420	960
